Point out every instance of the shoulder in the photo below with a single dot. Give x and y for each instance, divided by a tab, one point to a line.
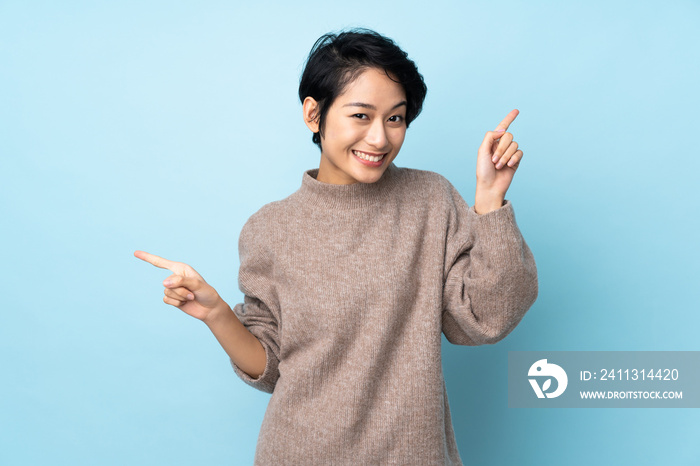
257	230
434	193
430	183
262	217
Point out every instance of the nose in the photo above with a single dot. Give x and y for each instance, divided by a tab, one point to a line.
376	135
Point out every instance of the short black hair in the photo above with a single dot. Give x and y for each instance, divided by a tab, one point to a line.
337	59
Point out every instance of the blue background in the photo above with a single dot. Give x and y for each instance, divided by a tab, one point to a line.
162	126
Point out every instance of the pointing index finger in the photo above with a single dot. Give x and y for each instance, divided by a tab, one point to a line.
508	119
155	260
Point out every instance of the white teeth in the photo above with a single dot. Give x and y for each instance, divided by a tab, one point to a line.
370	158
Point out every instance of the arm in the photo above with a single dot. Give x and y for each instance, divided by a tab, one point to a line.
260	311
261	322
244	348
490	277
490	273
248	333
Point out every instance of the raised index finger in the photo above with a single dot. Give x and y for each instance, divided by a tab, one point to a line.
508	119
155	260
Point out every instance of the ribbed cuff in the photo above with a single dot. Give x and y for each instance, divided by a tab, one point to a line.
496	231
263	381
503	217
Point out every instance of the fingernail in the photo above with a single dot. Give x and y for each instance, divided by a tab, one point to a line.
190	296
168	282
499	165
500	130
494	159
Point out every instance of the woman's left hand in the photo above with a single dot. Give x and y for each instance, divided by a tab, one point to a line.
497	160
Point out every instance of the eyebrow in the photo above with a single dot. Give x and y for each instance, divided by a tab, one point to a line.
370	106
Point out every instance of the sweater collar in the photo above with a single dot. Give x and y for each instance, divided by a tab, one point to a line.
346	196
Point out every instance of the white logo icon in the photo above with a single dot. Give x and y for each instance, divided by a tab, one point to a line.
540	369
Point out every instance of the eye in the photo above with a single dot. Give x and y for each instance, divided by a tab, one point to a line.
398	118
360	115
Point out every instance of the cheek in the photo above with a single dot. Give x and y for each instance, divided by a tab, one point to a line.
335	131
348	134
397	137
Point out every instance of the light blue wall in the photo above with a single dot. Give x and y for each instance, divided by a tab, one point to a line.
163	126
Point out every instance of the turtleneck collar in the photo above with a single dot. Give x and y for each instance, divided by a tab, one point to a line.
345	196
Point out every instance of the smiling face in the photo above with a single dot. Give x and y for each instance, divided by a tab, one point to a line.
364	129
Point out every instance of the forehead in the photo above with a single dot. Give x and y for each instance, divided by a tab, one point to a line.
373	84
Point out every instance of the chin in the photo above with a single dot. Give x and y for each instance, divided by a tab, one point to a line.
370	176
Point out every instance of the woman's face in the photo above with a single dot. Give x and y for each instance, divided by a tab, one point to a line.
367	121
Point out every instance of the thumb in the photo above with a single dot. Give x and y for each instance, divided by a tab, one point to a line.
176	281
489	139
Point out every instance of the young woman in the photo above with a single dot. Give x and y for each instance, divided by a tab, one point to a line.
350	281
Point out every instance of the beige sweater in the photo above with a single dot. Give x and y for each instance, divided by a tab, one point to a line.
348	288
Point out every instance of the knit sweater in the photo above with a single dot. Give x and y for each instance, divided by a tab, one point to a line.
349	288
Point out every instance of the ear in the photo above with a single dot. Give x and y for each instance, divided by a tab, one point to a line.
311	117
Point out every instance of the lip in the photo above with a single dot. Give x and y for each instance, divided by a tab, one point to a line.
367	162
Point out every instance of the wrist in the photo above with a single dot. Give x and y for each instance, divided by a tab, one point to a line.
219	313
485	201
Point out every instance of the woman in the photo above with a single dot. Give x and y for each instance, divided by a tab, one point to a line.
350	281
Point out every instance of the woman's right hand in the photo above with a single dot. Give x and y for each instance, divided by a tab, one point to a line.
185	288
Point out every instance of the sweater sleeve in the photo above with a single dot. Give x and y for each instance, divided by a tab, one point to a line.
490	277
260	311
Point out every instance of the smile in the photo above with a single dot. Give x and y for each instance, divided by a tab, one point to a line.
368	157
